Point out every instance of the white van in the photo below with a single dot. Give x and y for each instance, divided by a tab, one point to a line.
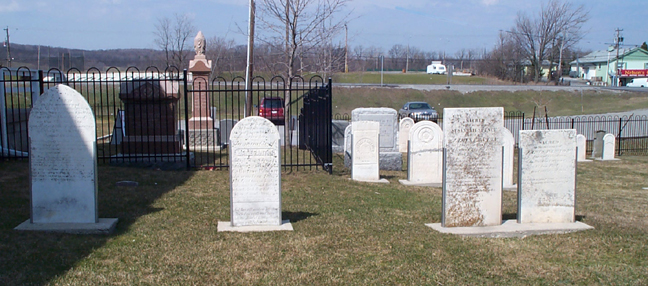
638	82
436	68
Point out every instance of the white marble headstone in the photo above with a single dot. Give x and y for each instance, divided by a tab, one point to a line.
425	157
63	158
255	173
388	119
548	176
609	142
508	141
365	148
473	185
581	143
404	127
597	145
347	146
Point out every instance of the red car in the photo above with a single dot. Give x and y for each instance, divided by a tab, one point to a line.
272	108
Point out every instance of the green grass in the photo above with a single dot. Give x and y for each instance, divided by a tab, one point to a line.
558	103
346	233
406	78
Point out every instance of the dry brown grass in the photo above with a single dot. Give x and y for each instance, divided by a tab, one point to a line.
346	233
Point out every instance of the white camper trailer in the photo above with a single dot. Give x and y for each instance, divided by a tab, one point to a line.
436	68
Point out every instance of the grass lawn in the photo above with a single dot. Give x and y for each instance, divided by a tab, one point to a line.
559	103
346	233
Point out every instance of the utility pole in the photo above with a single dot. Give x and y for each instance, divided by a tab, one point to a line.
407	59
617	40
250	61
8	44
346	49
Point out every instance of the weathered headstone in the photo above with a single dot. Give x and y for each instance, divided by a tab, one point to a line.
365	146
472	194
581	144
425	155
508	141
390	156
255	174
347	147
63	165
609	142
337	134
597	146
225	128
548	176
404	127
150	117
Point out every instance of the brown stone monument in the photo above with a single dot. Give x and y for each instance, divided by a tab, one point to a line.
150	117
201	125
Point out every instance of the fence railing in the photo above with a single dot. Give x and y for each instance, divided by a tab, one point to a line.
144	116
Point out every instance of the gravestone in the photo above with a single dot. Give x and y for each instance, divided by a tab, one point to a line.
390	156
425	155
508	142
150	116
581	143
255	175
404	127
472	194
607	153
63	165
365	148
202	135
225	129
597	146
548	176
347	147
337	134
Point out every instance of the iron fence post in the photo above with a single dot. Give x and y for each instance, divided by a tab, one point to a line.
186	120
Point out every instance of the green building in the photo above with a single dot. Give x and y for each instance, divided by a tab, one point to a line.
606	68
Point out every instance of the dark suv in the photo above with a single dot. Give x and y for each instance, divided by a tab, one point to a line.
272	108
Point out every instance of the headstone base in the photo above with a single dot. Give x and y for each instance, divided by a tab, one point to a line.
601	159
584	160
203	138
104	226
511	228
510	188
391	161
227	226
379	181
163	161
420	184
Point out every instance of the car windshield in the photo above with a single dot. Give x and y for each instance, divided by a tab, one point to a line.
272	103
419	105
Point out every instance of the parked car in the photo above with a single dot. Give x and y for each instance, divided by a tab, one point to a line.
638	82
418	111
272	108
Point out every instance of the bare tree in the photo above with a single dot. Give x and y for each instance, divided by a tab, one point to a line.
173	38
298	25
559	22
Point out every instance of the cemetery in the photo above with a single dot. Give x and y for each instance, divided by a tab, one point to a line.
473	199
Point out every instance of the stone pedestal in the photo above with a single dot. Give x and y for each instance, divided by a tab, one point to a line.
201	118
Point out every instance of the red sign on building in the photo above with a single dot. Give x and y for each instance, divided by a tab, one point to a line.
633	73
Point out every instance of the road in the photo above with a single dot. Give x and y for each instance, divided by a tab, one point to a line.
467	88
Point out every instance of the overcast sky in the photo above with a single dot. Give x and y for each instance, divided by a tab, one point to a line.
430	25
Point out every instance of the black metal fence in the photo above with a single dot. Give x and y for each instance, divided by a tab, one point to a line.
145	117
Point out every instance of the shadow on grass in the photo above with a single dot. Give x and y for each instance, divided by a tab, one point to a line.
296	216
35	258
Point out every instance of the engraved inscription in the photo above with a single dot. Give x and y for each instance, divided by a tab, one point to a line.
473	166
255	173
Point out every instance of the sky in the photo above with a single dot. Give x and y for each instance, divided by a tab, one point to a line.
429	25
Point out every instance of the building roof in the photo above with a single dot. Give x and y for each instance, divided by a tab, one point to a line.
545	63
602	56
